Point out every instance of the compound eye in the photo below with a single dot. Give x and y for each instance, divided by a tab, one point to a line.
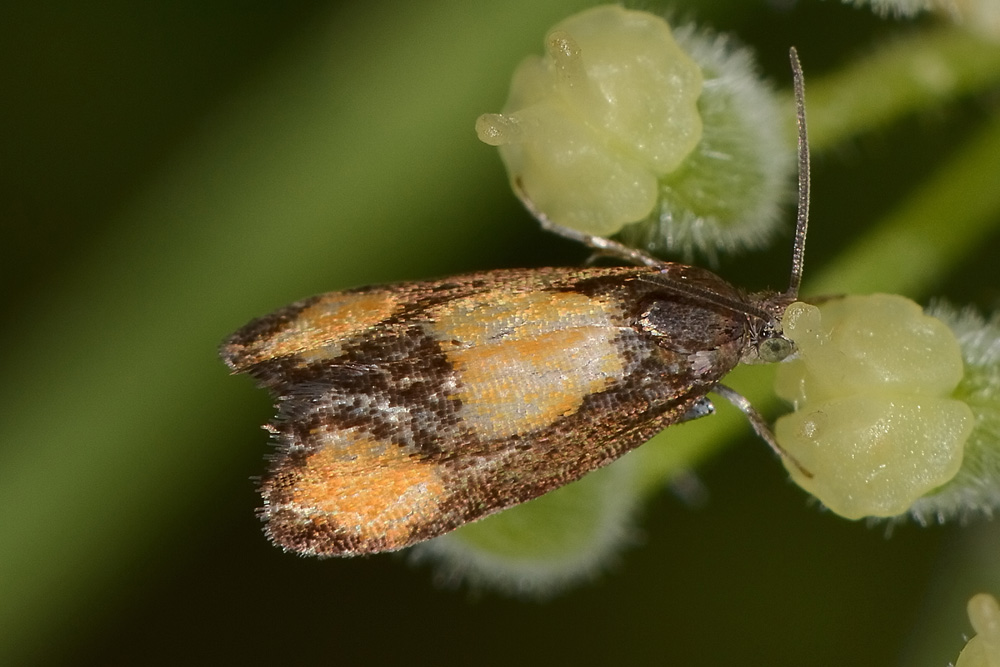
775	349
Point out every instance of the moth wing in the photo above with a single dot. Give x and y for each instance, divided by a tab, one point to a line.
450	409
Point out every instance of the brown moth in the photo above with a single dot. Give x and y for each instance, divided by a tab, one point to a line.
407	410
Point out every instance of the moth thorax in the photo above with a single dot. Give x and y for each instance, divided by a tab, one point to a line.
685	326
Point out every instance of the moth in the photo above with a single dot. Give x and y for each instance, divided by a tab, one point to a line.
409	409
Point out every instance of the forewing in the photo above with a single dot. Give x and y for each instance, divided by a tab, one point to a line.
406	411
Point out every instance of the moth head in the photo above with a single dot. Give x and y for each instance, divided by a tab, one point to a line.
767	343
772	350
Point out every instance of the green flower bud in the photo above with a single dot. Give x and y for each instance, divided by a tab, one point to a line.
977	16
547	544
589	129
975	489
900	7
729	193
876	421
983	650
670	140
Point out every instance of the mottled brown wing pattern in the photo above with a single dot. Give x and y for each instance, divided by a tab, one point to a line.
407	410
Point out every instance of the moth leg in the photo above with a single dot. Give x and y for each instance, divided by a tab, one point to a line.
760	425
599	243
701	408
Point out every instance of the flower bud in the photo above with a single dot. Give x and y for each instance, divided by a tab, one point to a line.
983	650
877	422
624	127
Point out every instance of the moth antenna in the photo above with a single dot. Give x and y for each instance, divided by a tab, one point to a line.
802	218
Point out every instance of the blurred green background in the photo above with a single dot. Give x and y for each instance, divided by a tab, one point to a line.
170	170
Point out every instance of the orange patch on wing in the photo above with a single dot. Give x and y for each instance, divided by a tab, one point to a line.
486	318
525	360
318	331
366	488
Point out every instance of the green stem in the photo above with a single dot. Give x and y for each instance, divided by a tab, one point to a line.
921	71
